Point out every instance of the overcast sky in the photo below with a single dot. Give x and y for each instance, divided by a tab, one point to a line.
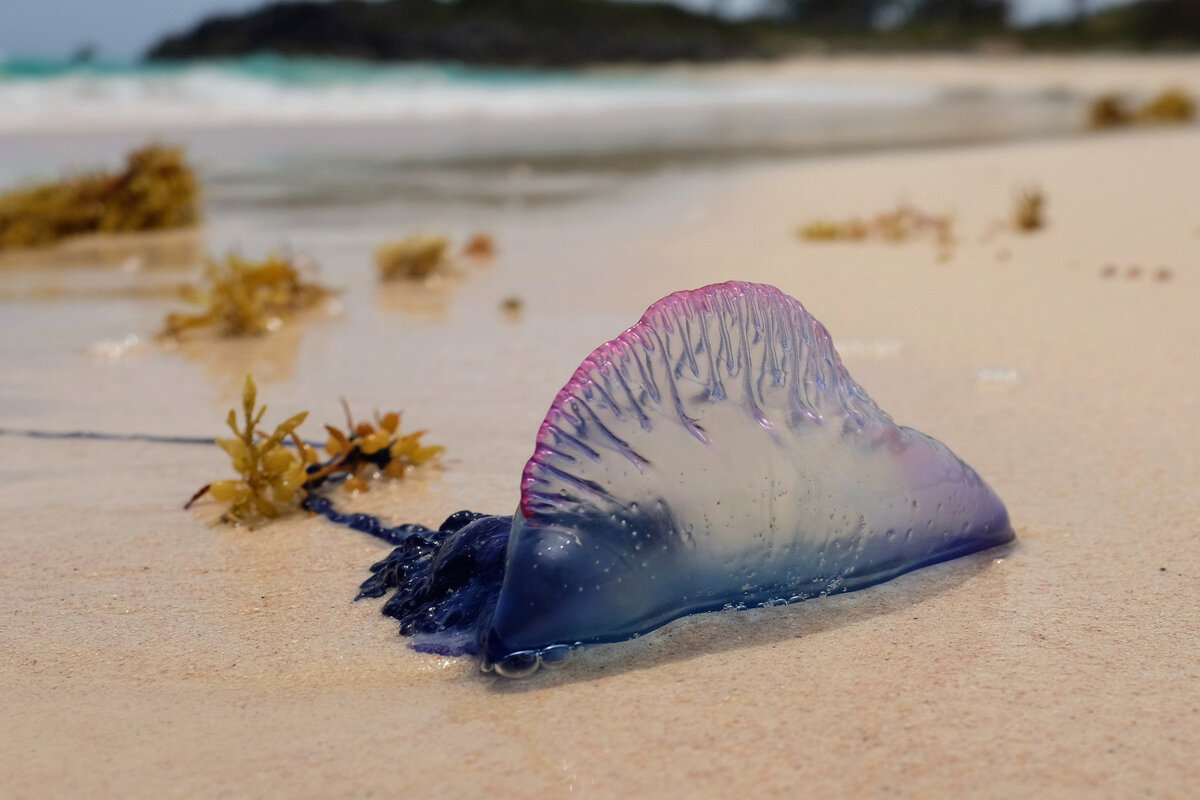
125	28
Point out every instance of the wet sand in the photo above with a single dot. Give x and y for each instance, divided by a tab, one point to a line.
147	654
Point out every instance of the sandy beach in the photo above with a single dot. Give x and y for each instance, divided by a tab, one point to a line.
149	654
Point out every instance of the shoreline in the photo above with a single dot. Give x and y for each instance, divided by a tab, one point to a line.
1084	73
790	107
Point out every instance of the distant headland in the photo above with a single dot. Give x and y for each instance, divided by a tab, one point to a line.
567	33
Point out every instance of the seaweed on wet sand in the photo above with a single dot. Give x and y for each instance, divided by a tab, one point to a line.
245	298
156	189
1029	210
415	257
423	256
275	477
903	223
1172	106
272	477
383	448
1109	111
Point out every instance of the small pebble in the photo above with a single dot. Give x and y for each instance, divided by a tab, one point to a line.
512	307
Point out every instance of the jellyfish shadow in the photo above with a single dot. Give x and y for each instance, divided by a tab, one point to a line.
725	631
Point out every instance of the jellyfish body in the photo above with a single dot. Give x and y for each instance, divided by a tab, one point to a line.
715	454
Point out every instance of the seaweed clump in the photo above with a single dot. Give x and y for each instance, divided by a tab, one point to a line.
245	298
364	448
272	478
1170	107
1029	211
902	224
422	256
156	190
1109	111
415	257
276	477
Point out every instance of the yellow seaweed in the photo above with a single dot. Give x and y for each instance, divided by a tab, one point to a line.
1109	111
272	476
1029	211
1170	107
156	190
245	298
413	258
356	451
902	224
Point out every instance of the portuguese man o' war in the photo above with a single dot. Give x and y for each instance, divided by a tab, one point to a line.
717	454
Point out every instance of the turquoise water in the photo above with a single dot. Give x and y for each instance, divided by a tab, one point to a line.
379	123
58	95
303	72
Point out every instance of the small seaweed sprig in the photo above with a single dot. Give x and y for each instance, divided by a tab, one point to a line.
245	298
416	258
424	257
273	476
903	223
1109	110
1029	210
381	447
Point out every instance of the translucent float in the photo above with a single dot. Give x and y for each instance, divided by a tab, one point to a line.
715	455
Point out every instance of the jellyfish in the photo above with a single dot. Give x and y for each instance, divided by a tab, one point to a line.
715	455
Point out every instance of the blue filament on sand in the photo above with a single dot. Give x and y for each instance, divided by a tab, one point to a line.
106	437
33	433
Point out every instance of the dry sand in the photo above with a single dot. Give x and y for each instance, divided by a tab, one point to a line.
148	655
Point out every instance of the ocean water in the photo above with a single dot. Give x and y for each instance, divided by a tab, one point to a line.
54	95
293	133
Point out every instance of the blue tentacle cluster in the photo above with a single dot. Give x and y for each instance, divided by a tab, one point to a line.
444	581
